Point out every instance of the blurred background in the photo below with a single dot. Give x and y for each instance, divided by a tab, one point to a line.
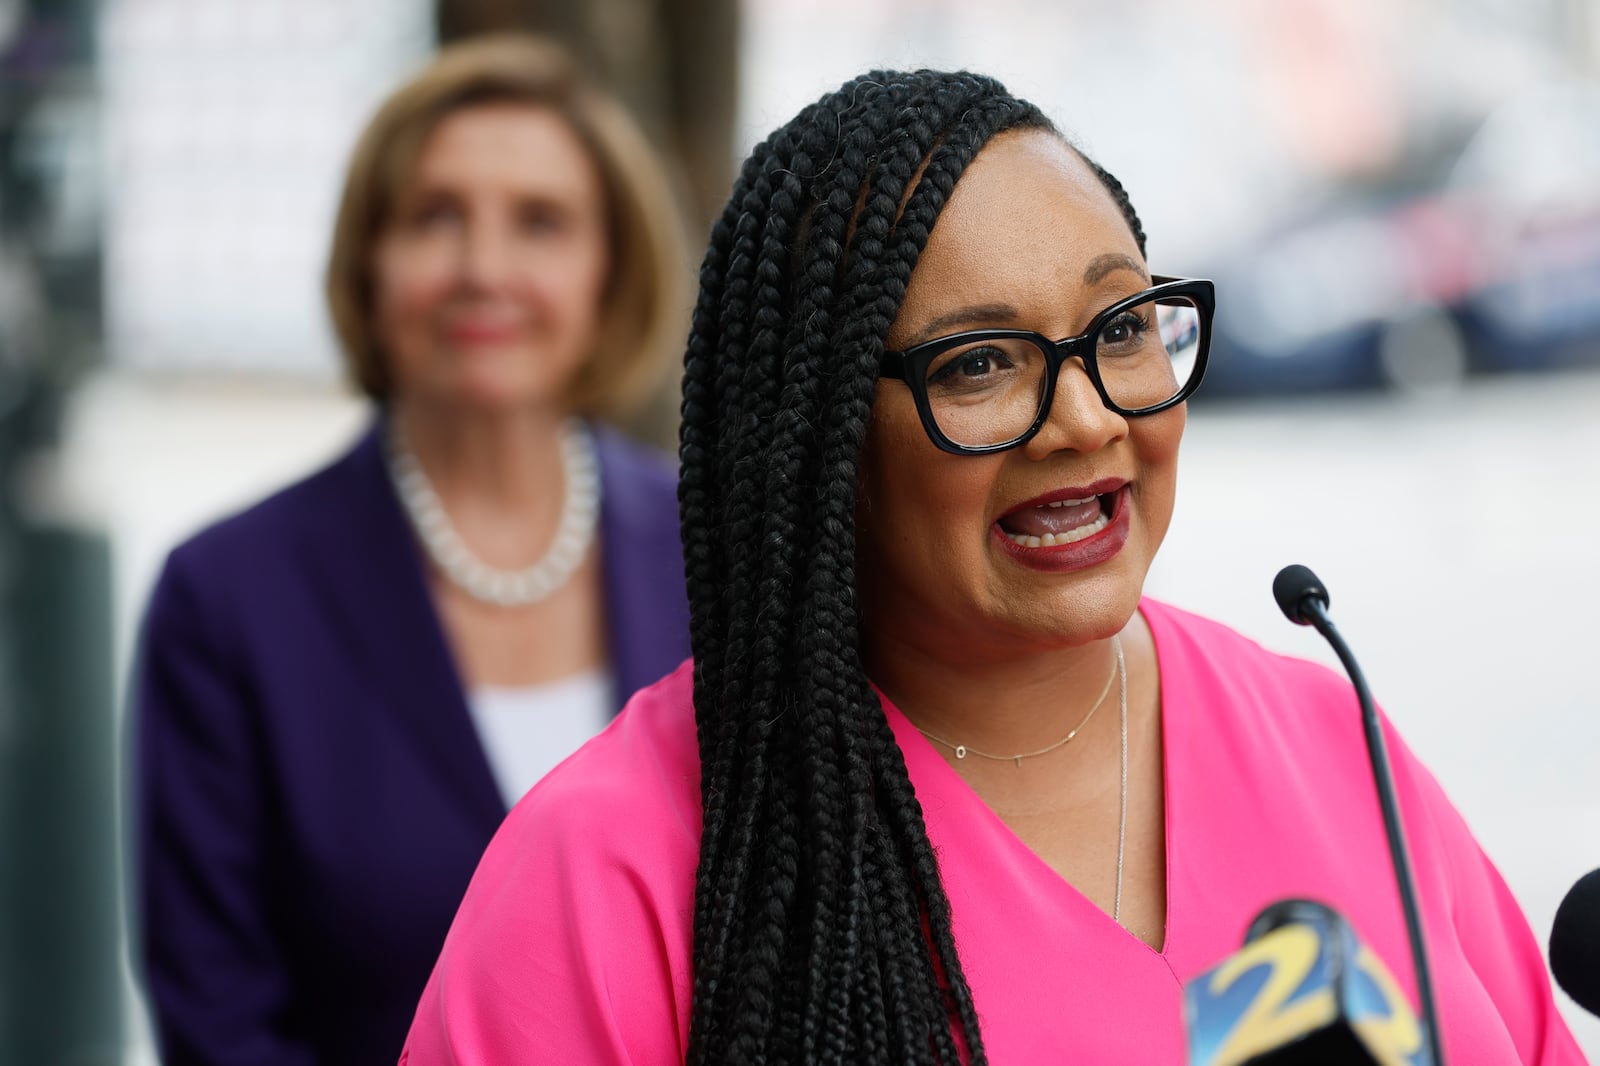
1399	201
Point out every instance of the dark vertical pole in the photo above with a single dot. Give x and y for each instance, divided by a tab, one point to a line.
62	974
60	918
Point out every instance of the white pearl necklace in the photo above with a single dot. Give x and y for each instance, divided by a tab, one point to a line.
580	511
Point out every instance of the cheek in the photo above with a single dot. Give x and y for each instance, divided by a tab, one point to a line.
888	493
1157	440
1160	435
925	507
408	284
576	282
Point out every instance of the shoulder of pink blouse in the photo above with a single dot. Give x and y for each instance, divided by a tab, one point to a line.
574	940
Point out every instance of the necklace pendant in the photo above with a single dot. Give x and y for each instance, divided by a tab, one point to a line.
1019	762
961	751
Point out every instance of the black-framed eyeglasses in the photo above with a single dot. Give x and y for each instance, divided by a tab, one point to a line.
987	390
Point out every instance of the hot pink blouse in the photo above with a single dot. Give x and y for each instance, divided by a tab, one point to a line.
573	943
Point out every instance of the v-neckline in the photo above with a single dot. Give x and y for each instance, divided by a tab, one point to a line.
924	761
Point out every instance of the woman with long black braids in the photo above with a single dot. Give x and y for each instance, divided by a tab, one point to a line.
940	785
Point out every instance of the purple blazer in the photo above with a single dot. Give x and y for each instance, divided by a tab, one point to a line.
311	795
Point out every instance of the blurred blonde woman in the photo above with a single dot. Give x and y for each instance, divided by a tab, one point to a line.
342	690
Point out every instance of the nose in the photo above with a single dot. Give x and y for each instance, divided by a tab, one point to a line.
485	256
1079	420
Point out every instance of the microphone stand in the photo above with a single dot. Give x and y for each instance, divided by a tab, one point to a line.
1314	611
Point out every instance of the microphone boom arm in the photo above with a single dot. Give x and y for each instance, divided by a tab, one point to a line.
1314	611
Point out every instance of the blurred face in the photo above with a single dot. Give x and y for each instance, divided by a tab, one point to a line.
982	558
490	272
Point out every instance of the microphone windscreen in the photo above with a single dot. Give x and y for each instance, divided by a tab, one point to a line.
1575	943
1291	587
1303	990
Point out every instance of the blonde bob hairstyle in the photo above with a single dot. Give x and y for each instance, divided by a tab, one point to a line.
643	310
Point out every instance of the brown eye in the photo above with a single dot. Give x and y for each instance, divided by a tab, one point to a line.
433	212
984	366
973	364
1125	331
542	219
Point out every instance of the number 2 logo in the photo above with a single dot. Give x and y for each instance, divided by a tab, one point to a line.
1274	1015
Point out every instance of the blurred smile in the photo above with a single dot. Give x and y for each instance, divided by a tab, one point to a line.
479	333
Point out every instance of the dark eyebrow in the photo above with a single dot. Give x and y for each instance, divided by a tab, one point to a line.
1101	265
990	314
981	315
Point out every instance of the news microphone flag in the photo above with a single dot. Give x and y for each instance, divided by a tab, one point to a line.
1303	990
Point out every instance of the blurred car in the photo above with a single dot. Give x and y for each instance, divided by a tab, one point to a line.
1532	178
1342	302
1494	266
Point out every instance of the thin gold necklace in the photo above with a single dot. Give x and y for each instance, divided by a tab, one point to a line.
962	750
1120	673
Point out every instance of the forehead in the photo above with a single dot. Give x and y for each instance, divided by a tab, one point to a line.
1024	221
520	143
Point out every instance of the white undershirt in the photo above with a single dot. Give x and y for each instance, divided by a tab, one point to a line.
526	731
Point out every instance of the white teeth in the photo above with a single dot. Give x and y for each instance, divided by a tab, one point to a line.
1073	503
1051	540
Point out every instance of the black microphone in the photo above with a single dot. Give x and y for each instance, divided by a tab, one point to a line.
1575	943
1303	991
1299	593
1304	601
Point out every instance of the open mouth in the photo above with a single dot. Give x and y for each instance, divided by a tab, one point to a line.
1049	525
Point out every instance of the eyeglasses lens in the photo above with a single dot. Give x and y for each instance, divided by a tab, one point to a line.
989	391
1147	353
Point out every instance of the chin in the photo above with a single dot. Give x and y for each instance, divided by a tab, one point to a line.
498	394
1094	606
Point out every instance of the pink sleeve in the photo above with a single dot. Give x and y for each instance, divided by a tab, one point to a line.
572	943
1488	924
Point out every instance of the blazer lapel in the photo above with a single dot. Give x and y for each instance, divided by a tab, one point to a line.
372	578
647	615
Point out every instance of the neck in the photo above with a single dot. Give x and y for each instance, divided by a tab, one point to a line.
501	461
1047	696
499	478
